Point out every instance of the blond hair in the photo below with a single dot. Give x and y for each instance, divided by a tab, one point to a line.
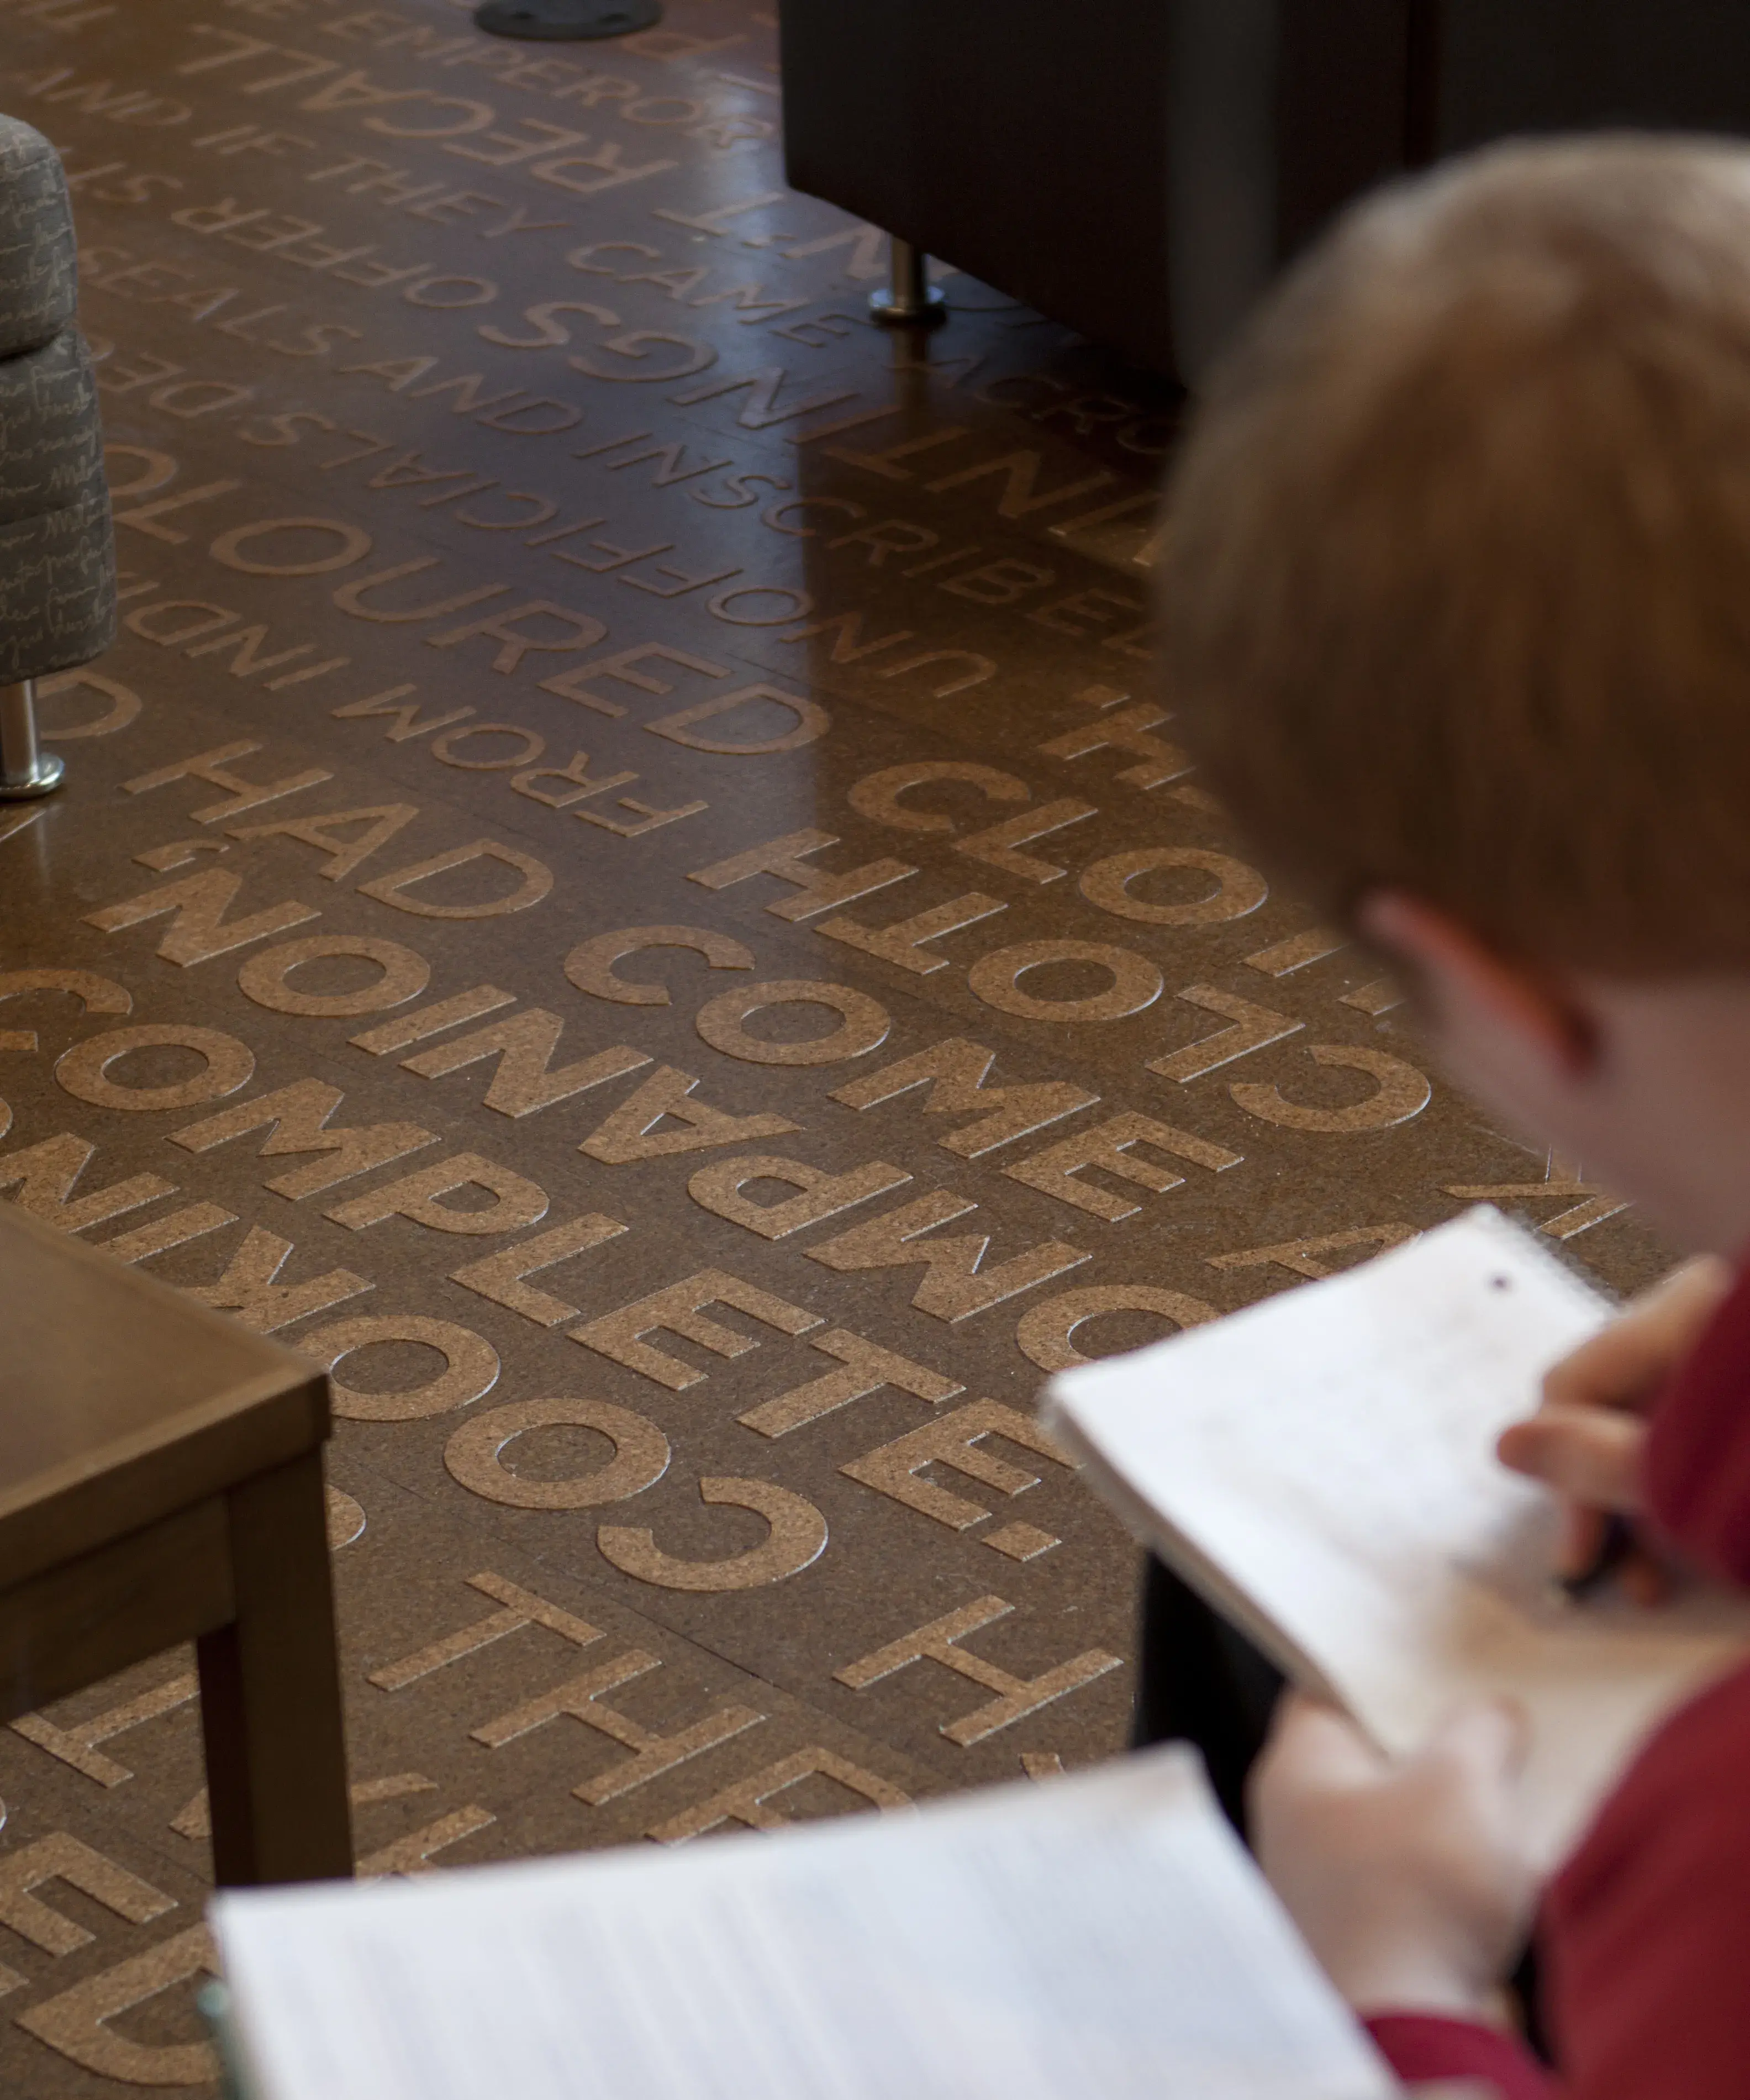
1458	593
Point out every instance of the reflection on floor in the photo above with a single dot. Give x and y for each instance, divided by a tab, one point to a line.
646	912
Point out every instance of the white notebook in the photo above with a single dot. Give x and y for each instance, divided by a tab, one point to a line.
1321	1467
1102	1935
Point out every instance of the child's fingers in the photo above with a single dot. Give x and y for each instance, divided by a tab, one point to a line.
1644	1581
1590	1454
1489	1738
1642	1578
1585	1442
1314	1746
1624	1366
1579	1539
1620	1366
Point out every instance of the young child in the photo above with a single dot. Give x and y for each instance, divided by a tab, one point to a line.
1458	617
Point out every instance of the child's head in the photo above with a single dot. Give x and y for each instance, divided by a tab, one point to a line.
1458	611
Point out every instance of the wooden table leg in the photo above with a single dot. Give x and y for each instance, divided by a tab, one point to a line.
270	1692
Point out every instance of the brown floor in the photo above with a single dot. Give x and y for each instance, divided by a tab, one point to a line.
785	579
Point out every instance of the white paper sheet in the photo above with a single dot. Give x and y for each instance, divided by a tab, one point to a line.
1332	1453
1103	1935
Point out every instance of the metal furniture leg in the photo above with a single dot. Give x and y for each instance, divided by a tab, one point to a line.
910	300
25	770
565	21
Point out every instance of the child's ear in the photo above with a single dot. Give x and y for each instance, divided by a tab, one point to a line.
1461	981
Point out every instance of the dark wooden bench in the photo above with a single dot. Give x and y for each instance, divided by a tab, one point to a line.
160	1480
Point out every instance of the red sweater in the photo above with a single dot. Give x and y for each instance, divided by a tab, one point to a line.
1645	1934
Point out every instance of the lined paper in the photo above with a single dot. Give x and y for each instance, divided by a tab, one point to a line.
1323	1465
1103	1935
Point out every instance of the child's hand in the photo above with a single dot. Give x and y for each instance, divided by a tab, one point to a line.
1585	1439
1408	1879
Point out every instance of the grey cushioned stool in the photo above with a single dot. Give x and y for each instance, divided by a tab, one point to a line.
57	553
